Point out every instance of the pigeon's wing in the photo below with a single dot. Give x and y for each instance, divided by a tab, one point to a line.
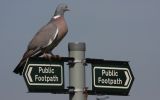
44	37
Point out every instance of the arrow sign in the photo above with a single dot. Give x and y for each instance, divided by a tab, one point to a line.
112	77
43	76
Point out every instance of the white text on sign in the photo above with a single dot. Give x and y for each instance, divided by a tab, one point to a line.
44	78
109	81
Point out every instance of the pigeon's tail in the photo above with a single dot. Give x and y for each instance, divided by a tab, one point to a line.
26	56
20	67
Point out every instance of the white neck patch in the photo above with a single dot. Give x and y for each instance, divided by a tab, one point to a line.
57	16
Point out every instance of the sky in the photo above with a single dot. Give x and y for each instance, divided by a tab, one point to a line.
112	30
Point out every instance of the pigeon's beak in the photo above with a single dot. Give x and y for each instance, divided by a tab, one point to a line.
67	9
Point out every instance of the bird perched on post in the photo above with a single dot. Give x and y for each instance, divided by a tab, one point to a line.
47	38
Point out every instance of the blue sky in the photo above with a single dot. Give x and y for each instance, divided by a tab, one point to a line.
112	29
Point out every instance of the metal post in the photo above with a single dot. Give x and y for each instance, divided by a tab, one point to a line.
77	70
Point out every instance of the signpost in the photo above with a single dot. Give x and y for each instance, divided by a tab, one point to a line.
44	76
108	77
112	77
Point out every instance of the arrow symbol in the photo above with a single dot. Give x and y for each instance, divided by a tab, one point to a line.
29	74
127	78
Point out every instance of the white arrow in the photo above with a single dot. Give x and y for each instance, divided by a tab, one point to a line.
127	78
29	74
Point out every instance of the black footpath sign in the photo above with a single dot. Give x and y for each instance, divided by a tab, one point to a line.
112	77
42	75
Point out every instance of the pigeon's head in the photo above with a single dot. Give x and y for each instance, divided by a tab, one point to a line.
61	8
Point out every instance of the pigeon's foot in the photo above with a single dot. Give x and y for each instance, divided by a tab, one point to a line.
47	56
50	56
57	57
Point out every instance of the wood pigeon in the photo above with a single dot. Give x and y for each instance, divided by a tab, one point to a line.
47	38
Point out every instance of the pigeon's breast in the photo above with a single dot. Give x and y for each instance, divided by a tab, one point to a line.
62	27
62	31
